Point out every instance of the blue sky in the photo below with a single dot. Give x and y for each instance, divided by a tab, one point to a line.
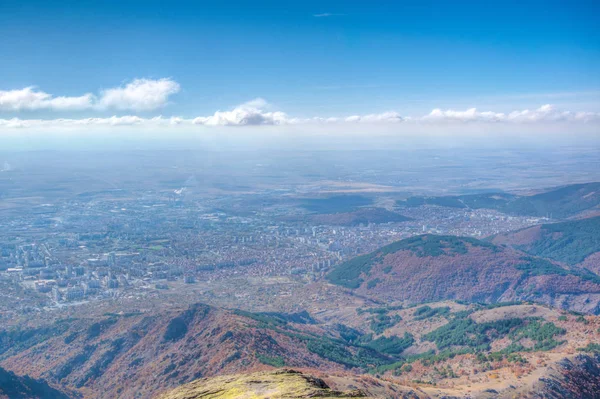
308	59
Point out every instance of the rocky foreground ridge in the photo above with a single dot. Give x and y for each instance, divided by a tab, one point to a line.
577	377
284	383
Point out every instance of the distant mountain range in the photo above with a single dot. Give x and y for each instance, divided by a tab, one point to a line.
562	202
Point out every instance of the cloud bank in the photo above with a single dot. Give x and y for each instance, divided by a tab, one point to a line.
545	113
259	113
138	95
143	95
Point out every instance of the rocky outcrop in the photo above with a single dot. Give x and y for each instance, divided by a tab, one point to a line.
278	384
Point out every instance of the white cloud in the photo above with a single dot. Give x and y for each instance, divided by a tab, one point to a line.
127	120
544	114
549	113
327	14
139	95
111	121
252	113
470	115
259	113
31	99
385	117
13	123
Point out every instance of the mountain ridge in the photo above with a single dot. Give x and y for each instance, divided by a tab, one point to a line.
431	267
140	355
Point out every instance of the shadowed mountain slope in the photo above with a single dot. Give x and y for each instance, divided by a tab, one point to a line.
17	387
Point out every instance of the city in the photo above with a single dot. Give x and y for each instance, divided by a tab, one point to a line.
106	248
